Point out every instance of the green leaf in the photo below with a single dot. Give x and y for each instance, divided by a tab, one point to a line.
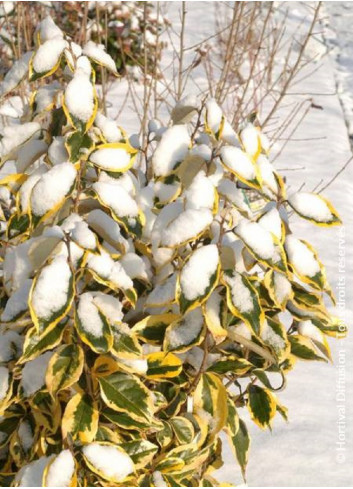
80	419
46	411
152	328
275	336
124	393
303	348
141	451
233	421
77	145
46	294
17	225
211	396
238	366
261	405
243	300
99	336
165	435
65	368
37	342
240	443
125	342
163	365
314	208
123	420
58	121
192	273
185	332
272	254
183	429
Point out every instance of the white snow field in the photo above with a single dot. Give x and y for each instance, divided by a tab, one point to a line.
304	451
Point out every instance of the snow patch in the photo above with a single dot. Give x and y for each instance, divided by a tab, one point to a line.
301	257
89	317
196	274
50	293
61	470
52	188
33	373
113	463
171	150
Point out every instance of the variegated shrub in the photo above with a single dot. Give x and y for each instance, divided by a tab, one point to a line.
146	291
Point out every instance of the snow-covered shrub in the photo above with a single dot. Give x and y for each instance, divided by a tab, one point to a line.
130	30
144	301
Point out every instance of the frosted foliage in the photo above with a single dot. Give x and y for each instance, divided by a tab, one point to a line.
186	330
213	308
171	150
138	365
33	373
271	337
311	206
109	460
110	306
233	194
17	266
214	115
196	274
98	53
242	329
108	127
31	475
201	192
250	139
57	151
4	382
79	96
84	236
17	303
50	293
115	159
49	30
271	221
302	258
89	317
48	55
15	136
257	238
25	434
10	345
110	270
283	287
307	328
61	470
241	295
267	173
163	293
186	226
238	161
52	187
165	192
158	480
116	197
104	225
27	187
29	153
17	72
134	266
